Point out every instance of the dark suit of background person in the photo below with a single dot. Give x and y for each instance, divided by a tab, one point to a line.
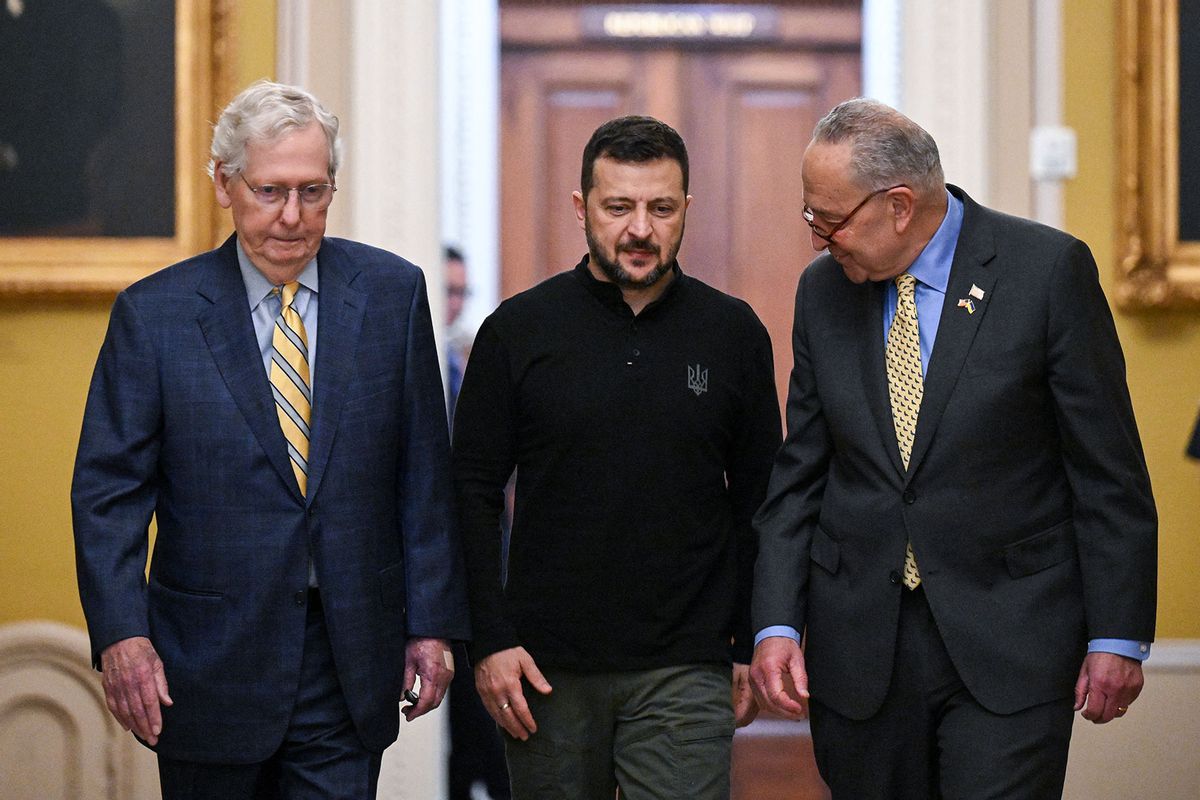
269	681
476	760
1026	500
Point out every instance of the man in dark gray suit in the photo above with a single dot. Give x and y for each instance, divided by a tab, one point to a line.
960	520
276	405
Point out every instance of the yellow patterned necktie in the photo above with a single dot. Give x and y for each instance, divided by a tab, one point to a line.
905	386
290	382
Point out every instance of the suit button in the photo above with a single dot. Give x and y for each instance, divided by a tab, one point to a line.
894	577
908	497
301	597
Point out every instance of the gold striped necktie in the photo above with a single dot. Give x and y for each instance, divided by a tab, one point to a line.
905	386
290	382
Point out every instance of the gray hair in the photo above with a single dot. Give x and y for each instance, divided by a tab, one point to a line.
263	112
886	147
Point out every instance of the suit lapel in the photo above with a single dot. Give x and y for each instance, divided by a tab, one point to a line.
874	369
229	333
957	325
340	313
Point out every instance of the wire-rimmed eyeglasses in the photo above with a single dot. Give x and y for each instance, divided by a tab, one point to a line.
311	195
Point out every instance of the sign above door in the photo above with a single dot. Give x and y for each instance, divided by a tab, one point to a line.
675	23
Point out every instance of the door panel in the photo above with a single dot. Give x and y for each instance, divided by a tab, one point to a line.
551	103
746	141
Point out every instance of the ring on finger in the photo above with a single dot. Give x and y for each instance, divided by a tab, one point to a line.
506	706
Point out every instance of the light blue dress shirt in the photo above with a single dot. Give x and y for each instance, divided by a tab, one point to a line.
265	306
932	271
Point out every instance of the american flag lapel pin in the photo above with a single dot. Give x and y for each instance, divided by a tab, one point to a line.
976	292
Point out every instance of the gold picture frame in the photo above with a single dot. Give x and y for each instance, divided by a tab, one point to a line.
96	265
1156	269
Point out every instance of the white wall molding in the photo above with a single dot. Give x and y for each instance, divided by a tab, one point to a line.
470	141
966	71
1150	753
883	47
57	738
1048	100
292	41
945	57
1174	656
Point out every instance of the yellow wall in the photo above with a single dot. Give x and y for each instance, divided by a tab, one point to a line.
1162	349
47	350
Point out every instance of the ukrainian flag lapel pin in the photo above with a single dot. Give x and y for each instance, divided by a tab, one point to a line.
969	302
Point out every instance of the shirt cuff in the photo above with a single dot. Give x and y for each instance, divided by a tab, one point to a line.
1122	647
777	630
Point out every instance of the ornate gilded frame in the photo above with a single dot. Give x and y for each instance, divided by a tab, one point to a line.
1156	269
103	265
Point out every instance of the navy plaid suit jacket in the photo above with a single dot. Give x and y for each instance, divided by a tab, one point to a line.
180	424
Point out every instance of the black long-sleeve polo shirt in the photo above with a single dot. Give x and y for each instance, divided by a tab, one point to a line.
642	446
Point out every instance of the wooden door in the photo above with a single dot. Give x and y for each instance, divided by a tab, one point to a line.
745	111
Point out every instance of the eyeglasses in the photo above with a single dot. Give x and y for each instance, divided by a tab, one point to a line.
828	237
312	195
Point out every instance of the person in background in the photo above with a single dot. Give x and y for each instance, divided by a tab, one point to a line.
959	524
276	406
476	762
638	408
458	340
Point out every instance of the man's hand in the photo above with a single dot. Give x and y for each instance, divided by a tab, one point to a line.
134	686
498	681
745	708
433	661
1108	684
778	678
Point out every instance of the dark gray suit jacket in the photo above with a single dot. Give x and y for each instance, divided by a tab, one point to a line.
1027	500
180	424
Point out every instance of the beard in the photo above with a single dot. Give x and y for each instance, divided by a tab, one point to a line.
612	269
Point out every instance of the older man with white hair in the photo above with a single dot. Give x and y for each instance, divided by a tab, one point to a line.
276	405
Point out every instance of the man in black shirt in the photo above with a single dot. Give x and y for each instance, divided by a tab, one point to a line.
638	408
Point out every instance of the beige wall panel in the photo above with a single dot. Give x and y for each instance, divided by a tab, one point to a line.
57	739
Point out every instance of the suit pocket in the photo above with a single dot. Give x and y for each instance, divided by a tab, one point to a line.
825	552
186	625
1041	551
